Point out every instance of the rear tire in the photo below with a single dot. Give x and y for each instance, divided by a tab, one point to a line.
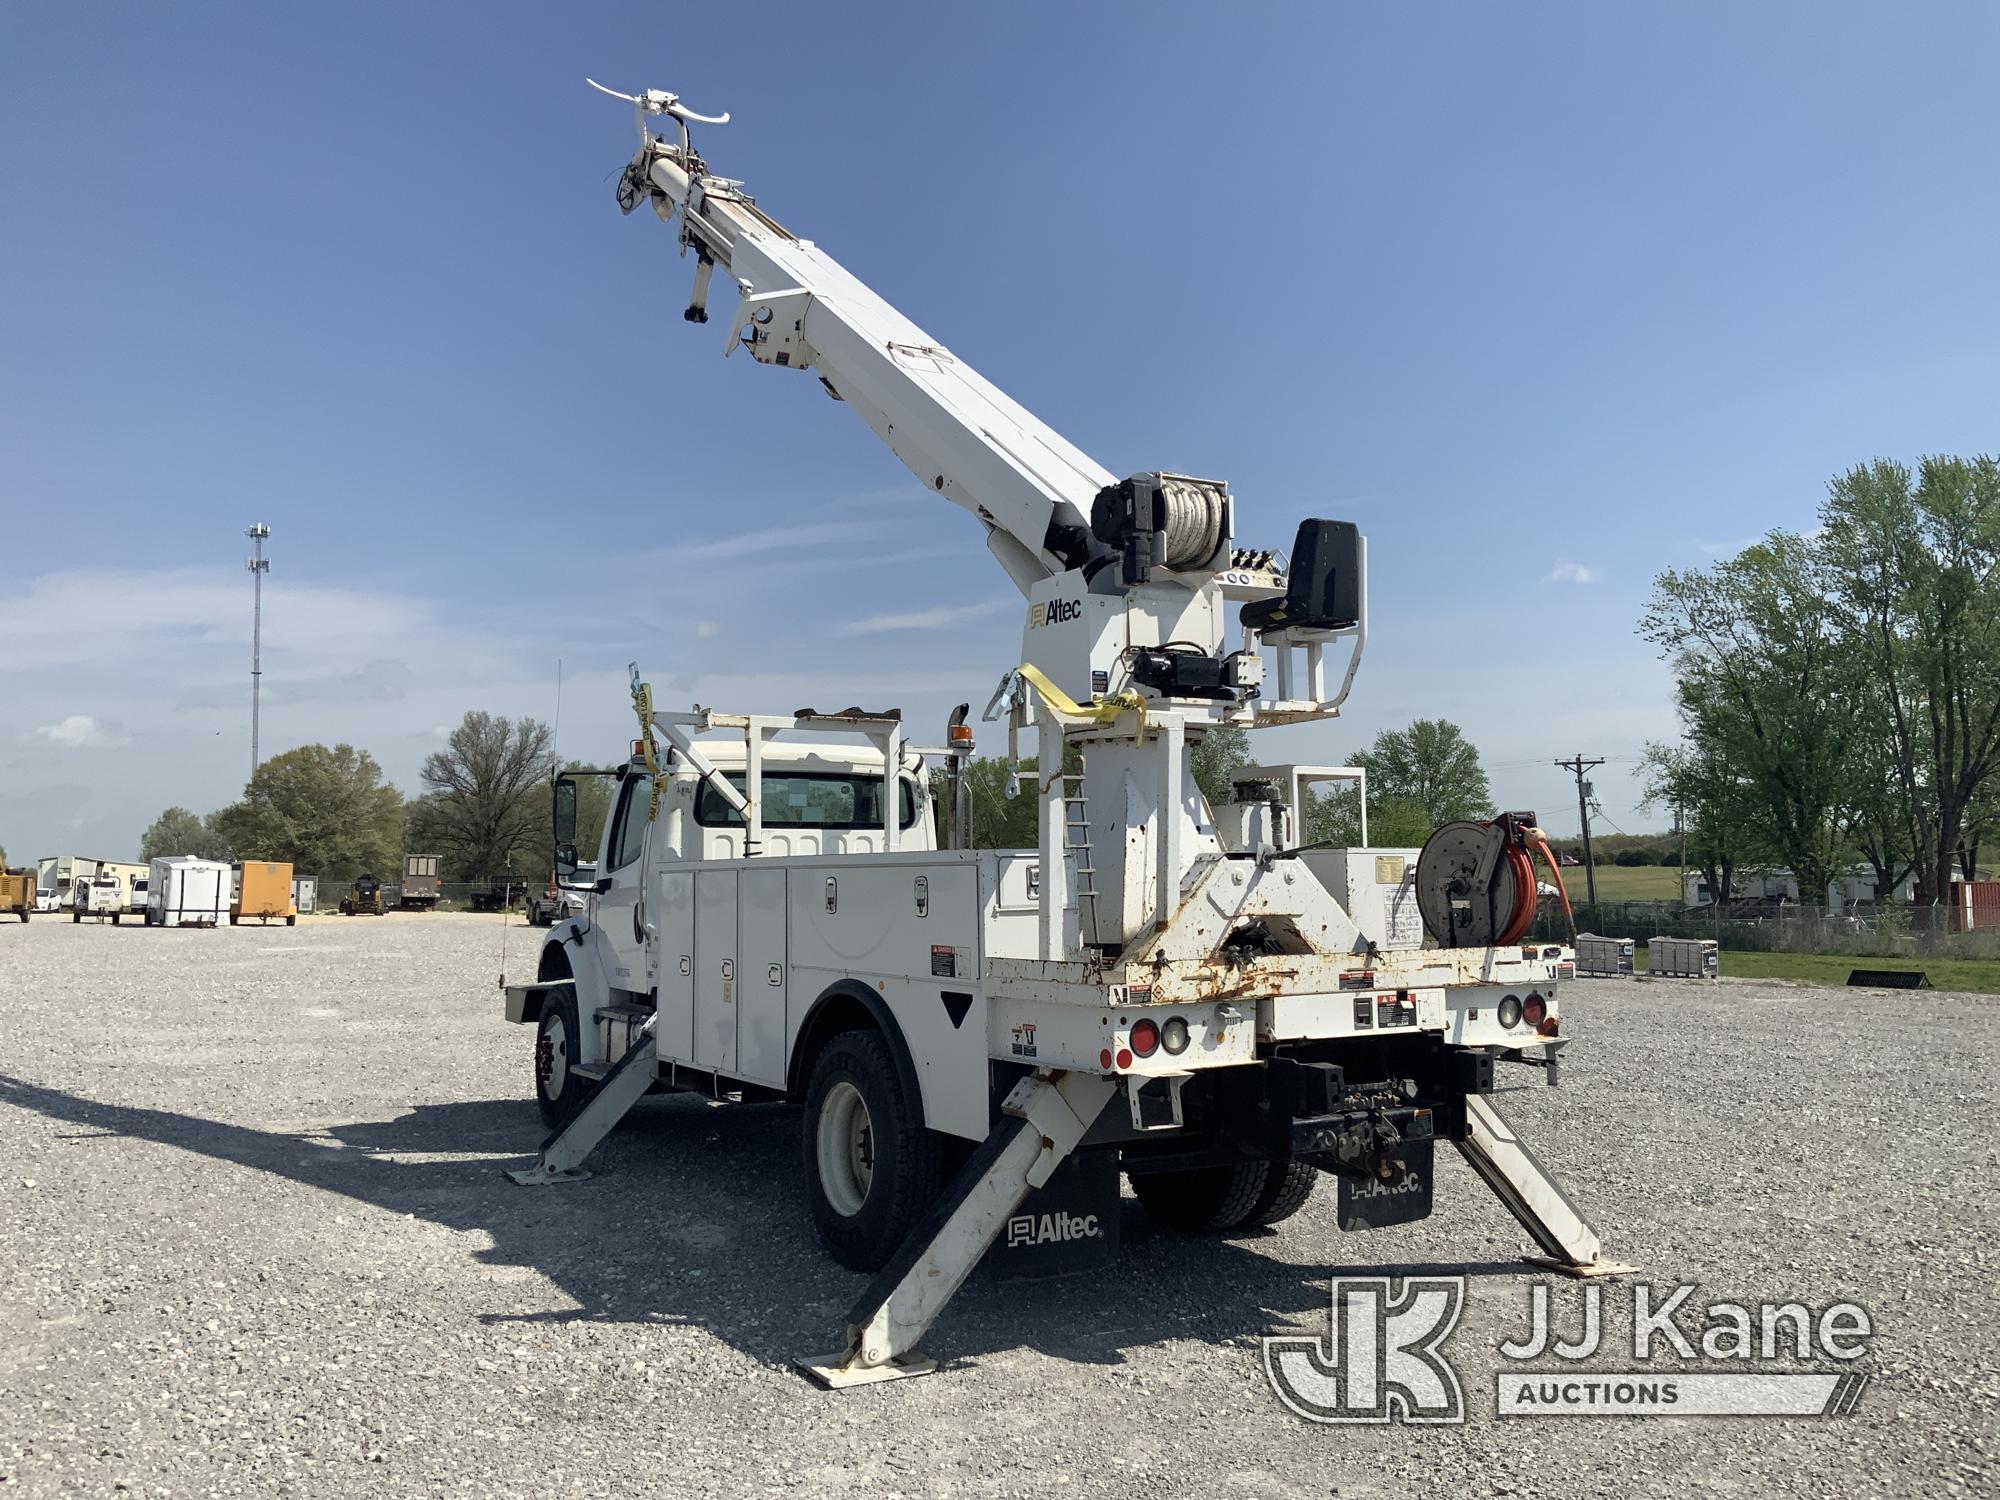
872	1169
1286	1189
1202	1200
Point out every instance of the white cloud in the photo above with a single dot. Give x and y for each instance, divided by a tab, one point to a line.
81	731
923	619
1569	572
773	539
706	629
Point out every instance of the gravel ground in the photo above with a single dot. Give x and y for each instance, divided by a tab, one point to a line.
255	1241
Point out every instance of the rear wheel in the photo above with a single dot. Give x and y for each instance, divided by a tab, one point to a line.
872	1169
1286	1188
1202	1200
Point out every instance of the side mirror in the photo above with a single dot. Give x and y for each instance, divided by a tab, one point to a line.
563	817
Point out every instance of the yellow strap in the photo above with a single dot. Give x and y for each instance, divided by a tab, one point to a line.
1099	710
642	703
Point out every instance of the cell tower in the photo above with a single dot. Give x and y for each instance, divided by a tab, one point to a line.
258	565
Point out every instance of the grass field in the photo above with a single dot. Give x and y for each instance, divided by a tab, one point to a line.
1622	883
1979	975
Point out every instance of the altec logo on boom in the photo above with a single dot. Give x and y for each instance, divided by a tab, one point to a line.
1055	612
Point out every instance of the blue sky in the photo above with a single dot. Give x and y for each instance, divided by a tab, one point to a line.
1547	298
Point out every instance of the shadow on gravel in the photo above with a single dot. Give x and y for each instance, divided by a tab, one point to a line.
696	1216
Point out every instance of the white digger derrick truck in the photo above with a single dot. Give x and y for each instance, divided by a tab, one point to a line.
984	1041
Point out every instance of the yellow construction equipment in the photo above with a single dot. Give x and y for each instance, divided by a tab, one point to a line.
17	892
365	900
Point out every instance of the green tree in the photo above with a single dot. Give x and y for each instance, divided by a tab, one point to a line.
178	831
1767	683
325	809
486	807
1915	565
1215	760
1000	821
1431	764
1711	797
1334	818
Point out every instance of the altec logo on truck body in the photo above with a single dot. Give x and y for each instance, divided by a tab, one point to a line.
1055	612
1051	1229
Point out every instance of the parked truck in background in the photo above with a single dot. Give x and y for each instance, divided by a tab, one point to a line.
422	888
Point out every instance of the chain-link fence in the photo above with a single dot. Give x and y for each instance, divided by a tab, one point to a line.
1787	927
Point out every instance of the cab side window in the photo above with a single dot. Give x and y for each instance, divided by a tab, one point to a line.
631	827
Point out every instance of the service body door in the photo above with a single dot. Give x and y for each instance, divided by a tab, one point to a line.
760	997
622	871
715	969
673	914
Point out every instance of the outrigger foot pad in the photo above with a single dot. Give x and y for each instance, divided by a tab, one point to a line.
1589	1271
833	1372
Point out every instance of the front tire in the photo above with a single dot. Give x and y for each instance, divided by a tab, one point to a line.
558	1049
872	1169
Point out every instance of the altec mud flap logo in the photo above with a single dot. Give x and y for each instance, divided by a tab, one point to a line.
1051	1229
1382	1359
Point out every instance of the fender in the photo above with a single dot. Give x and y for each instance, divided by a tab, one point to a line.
826	1019
575	936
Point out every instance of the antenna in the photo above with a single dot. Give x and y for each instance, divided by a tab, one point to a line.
258	565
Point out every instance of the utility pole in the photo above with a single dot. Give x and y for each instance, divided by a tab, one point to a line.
1578	765
258	565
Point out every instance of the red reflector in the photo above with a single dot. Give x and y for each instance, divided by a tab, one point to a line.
1533	1009
1146	1037
1104	1058
1124	1057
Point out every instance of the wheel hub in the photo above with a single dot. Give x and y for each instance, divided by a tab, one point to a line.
845	1148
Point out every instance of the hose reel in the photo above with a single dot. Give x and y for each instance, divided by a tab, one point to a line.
1476	882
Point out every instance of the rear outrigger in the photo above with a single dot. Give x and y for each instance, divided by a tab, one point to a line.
983	1041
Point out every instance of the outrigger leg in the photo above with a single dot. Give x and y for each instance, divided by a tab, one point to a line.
1531	1194
563	1153
1042	1121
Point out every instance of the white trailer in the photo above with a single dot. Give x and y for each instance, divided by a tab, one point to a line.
1159	988
184	891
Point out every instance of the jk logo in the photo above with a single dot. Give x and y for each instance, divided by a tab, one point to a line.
1380	1360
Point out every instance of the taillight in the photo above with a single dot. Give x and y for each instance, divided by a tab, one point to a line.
1124	1057
1104	1059
1146	1037
1510	1012
1534	1010
1174	1036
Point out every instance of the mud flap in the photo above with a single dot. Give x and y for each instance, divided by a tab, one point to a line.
1068	1225
1402	1198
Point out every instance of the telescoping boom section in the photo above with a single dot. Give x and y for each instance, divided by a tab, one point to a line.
1191	995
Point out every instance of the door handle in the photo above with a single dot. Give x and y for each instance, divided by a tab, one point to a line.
638	930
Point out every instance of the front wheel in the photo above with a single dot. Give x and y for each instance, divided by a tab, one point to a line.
872	1169
558	1089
